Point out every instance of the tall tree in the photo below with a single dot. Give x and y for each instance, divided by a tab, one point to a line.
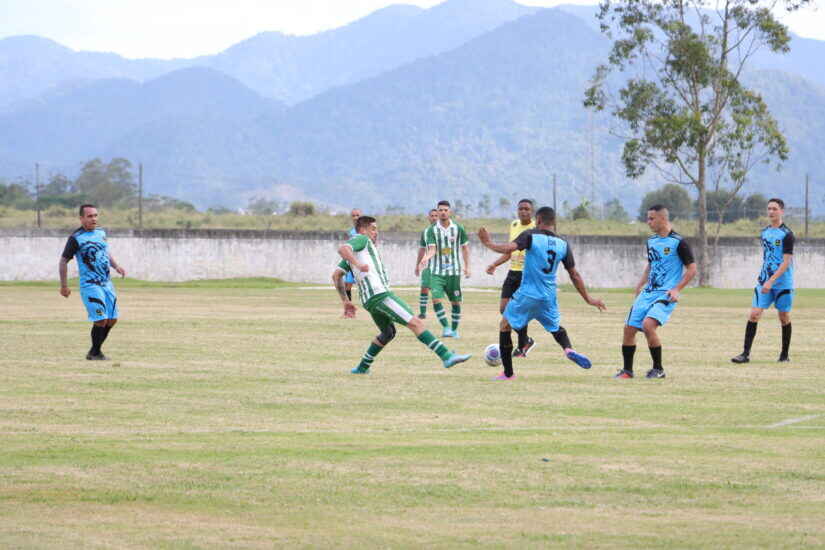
682	105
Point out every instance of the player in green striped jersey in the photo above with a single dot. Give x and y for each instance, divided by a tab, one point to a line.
424	293
447	256
360	257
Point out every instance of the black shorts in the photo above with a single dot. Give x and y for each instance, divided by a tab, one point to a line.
511	284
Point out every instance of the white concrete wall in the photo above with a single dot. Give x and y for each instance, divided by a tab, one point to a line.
182	256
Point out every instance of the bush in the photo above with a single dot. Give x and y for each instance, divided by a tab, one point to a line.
581	212
302	208
671	196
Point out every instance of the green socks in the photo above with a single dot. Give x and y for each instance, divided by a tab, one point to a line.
422	304
456	316
434	344
440	313
369	356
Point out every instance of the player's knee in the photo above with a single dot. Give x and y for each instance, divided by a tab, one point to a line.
504	326
386	335
784	317
755	315
111	323
104	323
650	325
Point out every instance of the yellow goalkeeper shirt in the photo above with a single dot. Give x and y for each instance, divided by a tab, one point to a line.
517	257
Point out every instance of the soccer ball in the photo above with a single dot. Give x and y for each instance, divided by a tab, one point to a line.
492	355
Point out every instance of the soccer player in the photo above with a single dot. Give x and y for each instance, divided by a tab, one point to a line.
349	280
425	273
88	244
775	282
360	256
444	239
513	280
670	268
536	297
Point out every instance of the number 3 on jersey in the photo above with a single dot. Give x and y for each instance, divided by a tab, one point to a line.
551	261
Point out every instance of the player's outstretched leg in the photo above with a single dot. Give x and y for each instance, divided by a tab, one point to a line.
456	318
448	357
505	347
441	315
423	296
525	344
628	351
368	357
563	340
750	333
100	331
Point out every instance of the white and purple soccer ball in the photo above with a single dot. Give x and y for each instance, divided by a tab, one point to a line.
492	355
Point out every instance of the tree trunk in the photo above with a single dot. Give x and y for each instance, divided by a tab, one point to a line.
702	233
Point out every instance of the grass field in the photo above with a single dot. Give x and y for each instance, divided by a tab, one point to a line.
226	417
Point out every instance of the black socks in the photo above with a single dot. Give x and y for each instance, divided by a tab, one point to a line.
750	333
349	294
627	355
561	338
656	355
522	337
786	339
98	336
505	346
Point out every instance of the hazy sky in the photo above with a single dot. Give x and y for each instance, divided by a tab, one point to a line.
187	28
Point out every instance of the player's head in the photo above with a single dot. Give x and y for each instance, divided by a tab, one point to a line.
354	215
546	217
443	210
524	209
366	225
776	208
433	215
88	216
658	217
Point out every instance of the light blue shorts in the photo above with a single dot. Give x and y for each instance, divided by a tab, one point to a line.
349	278
522	309
100	302
655	305
781	298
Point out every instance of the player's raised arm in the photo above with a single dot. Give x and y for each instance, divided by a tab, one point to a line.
505	248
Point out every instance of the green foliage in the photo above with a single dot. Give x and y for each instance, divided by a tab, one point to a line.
107	184
264	207
614	211
731	207
674	197
301	208
15	195
581	212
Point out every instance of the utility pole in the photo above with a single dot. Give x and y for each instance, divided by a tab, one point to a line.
806	205
140	196
37	191
555	208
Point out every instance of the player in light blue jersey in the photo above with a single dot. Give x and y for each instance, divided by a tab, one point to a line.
88	244
775	282
536	296
669	269
349	279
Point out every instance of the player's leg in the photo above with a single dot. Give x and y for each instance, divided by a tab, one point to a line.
385	325
438	292
511	284
784	303
454	293
349	280
654	344
633	325
759	303
399	312
505	348
547	313
424	294
94	299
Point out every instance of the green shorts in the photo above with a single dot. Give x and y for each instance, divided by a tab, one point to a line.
425	278
387	309
446	286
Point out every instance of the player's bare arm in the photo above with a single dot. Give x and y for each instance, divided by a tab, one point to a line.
783	267
504	258
690	273
505	248
465	255
62	269
643	281
341	288
425	259
117	266
345	251
578	283
418	267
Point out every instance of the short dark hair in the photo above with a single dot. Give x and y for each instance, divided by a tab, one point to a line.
657	207
83	207
363	221
433	210
528	201
545	215
780	202
444	203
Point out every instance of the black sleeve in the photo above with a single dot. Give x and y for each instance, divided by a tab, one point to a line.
685	253
71	248
525	240
568	262
787	243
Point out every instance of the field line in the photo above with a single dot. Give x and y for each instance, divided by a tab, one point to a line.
790	421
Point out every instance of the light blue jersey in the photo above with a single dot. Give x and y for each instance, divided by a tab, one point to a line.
544	251
91	251
776	242
668	257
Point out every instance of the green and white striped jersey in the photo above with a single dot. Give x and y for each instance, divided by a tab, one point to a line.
448	242
423	243
374	282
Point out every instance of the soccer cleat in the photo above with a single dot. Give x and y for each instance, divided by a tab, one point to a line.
741	358
98	357
455	335
622	374
455	359
447	332
783	359
422	315
655	373
360	370
578	358
522	352
503	376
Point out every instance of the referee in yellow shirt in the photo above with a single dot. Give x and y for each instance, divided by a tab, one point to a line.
513	281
